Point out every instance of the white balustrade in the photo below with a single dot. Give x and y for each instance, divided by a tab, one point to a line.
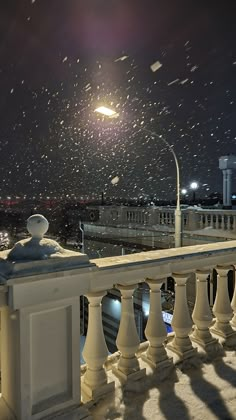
181	322
95	351
202	315
222	309
156	330
127	339
233	304
40	321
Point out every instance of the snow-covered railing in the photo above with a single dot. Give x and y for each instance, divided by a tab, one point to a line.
217	219
193	218
40	316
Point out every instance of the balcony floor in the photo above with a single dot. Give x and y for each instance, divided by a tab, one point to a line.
202	390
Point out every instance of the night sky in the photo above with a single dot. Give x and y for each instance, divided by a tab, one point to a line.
60	59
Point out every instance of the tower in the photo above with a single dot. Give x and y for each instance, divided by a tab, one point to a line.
227	164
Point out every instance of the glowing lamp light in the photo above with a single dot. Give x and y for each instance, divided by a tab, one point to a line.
106	111
194	185
184	191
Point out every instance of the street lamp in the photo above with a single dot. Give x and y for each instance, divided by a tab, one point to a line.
194	187
178	214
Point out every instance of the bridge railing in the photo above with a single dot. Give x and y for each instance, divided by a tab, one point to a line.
192	218
40	350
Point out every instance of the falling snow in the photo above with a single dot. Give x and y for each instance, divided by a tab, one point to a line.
155	66
48	112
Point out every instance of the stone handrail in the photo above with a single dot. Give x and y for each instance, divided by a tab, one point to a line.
40	350
153	267
193	218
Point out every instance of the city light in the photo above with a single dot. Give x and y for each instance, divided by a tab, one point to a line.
194	185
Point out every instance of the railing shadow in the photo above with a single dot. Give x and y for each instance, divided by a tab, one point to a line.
134	395
169	403
129	402
224	371
208	393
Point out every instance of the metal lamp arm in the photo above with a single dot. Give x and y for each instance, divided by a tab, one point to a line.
176	164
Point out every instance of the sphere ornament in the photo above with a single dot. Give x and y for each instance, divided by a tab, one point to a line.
37	225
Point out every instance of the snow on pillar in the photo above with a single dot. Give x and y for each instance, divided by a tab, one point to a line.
40	327
201	315
156	330
222	309
95	351
127	339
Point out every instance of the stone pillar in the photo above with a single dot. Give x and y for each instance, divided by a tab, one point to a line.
212	221
40	328
156	330
234	223
229	187
222	309
225	183
181	322
127	339
95	351
193	220
201	315
233	305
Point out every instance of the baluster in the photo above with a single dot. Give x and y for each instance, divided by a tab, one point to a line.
127	339
234	223
217	221
228	223
201	221
201	315
233	304
181	322
222	309
156	330
95	351
212	221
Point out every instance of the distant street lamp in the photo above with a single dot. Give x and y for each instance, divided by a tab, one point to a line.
194	187
178	214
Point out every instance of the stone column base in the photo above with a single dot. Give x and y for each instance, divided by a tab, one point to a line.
205	340
134	376
162	364
92	394
183	354
211	344
226	338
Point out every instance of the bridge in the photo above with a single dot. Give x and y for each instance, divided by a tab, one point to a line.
155	226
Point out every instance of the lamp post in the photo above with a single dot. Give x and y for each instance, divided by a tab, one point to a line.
194	187
178	214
